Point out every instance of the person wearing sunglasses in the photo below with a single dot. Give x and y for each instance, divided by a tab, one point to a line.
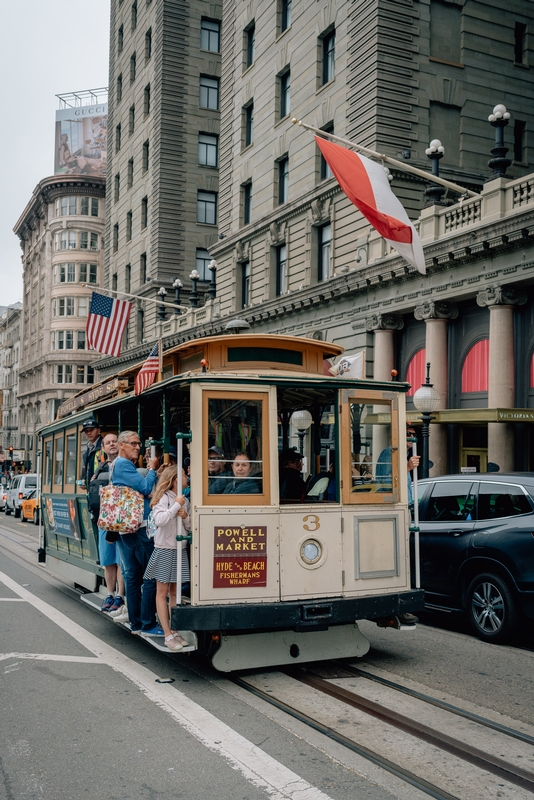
136	548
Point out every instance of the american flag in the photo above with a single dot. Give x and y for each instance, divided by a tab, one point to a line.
146	375
106	323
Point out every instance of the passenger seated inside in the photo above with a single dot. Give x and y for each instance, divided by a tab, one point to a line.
218	474
292	486
243	482
322	488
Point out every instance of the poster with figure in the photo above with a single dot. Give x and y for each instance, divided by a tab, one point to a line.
81	141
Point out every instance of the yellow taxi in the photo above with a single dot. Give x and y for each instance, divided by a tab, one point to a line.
29	508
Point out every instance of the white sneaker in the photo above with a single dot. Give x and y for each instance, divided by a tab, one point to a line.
121	615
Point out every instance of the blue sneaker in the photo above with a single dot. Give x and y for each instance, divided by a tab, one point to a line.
118	602
157	631
108	602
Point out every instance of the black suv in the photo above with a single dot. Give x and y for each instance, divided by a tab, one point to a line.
477	549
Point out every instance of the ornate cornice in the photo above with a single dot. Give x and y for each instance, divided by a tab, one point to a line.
384	322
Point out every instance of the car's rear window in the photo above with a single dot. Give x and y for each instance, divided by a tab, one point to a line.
496	500
31	483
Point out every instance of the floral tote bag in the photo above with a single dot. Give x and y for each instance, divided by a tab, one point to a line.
121	508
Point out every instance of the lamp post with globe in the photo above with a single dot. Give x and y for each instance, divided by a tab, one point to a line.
302	420
426	400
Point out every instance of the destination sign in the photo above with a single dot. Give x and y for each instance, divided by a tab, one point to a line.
240	556
98	393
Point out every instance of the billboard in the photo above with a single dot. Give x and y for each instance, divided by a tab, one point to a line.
81	142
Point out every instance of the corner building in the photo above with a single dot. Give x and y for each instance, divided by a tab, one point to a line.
61	234
163	118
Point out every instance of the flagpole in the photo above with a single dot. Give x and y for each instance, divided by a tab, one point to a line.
134	296
160	359
400	164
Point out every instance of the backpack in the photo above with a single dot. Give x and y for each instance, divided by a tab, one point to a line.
101	478
151	526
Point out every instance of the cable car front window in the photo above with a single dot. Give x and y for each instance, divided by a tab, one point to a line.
235	463
373	459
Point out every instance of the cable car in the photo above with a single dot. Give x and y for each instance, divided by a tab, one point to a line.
281	570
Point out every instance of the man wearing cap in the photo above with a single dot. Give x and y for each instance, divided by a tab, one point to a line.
218	475
94	455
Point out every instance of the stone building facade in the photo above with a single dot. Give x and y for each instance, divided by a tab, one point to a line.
61	233
9	374
162	195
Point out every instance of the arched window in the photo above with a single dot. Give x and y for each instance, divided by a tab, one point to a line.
475	368
415	374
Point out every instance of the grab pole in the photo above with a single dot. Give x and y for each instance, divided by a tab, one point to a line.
415	526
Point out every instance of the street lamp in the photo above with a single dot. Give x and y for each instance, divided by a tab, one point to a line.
212	288
499	119
193	297
302	420
177	286
162	313
426	400
435	151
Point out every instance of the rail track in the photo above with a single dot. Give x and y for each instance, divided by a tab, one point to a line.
506	772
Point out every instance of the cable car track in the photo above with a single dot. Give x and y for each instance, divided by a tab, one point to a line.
502	769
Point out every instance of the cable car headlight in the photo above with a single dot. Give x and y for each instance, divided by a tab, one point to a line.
311	551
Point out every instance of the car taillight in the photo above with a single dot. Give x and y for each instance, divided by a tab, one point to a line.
21	496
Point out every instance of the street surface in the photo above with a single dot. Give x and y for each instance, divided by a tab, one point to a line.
83	714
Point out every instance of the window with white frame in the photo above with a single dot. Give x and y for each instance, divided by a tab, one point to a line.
324	236
208	150
207	207
210	35
209	93
82	306
80	337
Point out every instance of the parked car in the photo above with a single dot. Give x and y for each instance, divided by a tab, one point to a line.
477	549
21	486
29	508
3	494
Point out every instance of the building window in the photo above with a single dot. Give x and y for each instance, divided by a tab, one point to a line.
115	237
117	187
209	93
519	140
127	278
82	273
247	202
90	375
248	113
324	170
208	150
142	266
59	373
148	44
144	212
118	137
245	284
71	272
57	207
114	282
324	235
133	67
89	205
69	340
285	88
82	306
129	177
283	180
67	371
68	240
329	45
80	373
207	207
134	15
520	39
120	39
66	306
445	32
140	326
68	205
129	226
61	340
146	100
281	270
202	260
446	120
53	340
146	155
131	120
119	88
210	35
285	15
250	44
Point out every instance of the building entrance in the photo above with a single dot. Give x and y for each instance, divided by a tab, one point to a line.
474	447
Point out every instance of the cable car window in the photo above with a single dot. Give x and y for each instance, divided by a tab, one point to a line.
235	463
70	476
371	434
58	462
48	463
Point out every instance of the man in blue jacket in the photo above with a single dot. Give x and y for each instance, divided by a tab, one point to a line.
136	548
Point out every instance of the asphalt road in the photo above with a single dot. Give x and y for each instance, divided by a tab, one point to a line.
84	716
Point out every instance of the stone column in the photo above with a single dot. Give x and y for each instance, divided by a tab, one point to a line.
435	315
501	379
384	327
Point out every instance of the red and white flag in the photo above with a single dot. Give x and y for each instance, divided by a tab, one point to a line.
366	185
147	374
106	323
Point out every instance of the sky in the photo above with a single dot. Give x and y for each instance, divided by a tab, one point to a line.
49	47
